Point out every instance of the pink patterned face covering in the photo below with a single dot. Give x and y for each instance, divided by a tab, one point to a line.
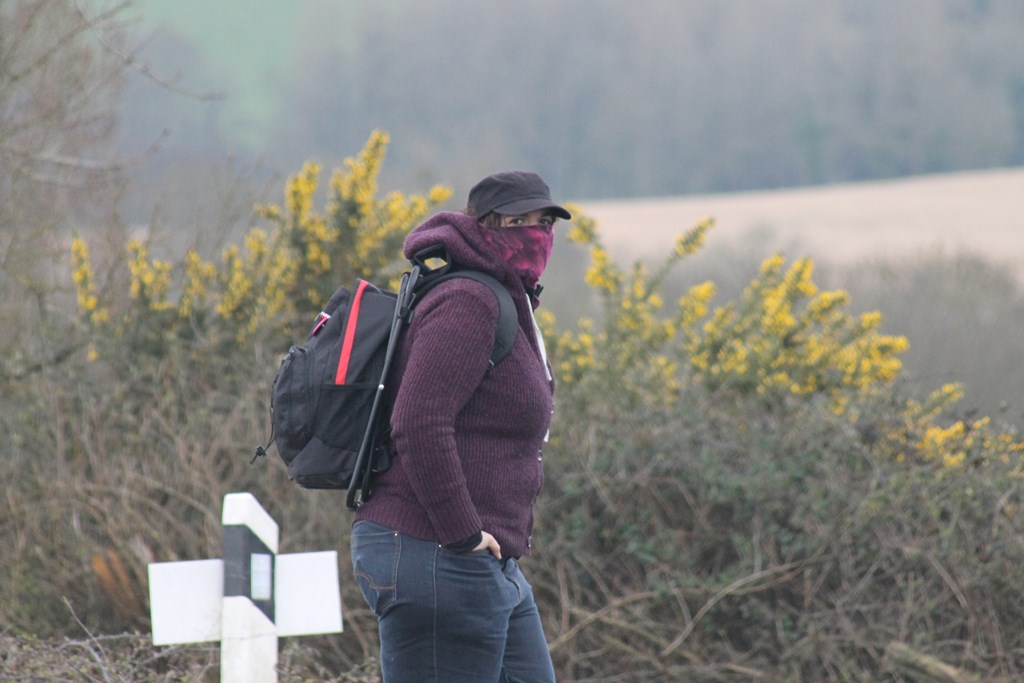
526	248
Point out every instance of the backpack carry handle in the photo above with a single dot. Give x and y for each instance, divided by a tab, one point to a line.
435	251
423	275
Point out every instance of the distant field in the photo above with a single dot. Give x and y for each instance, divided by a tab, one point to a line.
980	212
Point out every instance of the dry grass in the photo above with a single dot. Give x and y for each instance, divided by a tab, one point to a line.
131	657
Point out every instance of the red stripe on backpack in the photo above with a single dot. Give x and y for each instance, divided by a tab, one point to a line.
350	334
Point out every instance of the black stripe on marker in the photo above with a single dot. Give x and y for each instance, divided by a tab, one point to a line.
240	544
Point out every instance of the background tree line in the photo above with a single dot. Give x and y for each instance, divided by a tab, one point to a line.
612	99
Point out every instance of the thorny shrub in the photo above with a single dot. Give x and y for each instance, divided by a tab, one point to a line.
741	491
733	491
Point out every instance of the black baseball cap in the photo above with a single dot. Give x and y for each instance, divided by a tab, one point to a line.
513	193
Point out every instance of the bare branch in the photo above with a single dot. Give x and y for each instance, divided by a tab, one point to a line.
759	581
88	645
138	65
617	604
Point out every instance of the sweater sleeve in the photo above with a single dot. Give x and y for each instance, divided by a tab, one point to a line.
451	336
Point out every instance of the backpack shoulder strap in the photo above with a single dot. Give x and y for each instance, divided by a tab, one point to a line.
508	323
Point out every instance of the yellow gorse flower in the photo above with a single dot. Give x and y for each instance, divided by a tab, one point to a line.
199	276
150	278
637	341
85	285
784	335
691	241
602	274
781	337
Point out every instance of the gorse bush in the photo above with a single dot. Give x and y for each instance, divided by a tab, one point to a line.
266	285
740	491
734	490
783	335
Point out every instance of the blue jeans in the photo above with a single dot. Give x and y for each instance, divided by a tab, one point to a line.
448	617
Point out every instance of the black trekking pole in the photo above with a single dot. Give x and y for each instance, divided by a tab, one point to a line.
363	470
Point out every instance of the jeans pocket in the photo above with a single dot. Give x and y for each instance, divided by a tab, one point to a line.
375	553
475	581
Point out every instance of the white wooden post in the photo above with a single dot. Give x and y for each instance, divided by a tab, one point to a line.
248	638
248	599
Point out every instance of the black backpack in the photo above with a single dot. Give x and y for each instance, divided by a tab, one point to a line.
327	411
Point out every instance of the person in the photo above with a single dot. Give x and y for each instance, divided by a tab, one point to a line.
436	549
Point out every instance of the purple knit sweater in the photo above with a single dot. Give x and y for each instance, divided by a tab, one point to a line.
467	438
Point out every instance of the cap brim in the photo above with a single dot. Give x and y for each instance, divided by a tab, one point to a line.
524	206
